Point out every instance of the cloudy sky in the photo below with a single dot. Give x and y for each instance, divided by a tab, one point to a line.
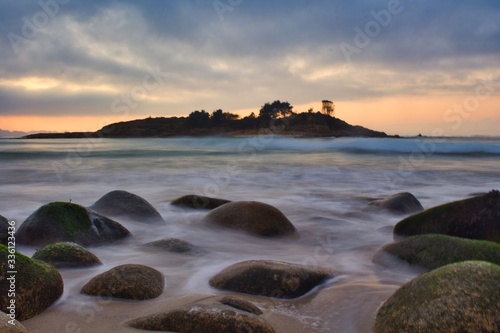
406	67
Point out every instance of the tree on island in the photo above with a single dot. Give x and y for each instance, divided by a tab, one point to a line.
219	117
199	119
328	107
275	110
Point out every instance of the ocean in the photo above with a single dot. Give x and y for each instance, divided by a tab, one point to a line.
323	185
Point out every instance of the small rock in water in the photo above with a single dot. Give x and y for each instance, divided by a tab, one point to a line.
123	204
401	203
202	318
135	282
256	218
463	297
199	202
475	218
6	325
66	254
175	245
37	285
270	278
240	304
68	222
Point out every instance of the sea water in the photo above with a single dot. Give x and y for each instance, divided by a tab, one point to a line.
322	185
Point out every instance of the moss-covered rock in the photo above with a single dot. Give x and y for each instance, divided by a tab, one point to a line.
256	218
68	222
432	251
135	282
123	204
462	297
4	228
201	318
199	202
9	325
37	284
66	254
401	203
240	304
175	245
270	278
475	218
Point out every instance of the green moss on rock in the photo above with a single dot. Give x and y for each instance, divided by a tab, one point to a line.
432	251
68	222
66	254
38	284
457	298
475	218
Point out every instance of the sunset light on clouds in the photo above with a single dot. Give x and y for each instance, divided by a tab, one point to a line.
404	67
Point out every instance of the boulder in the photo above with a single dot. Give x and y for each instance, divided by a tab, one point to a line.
256	218
66	254
68	222
199	202
135	282
401	203
462	297
431	251
175	245
7	325
37	284
122	204
240	304
4	230
270	278
475	218
202	318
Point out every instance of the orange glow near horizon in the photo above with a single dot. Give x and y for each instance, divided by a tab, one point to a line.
404	115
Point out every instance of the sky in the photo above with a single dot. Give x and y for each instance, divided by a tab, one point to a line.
404	67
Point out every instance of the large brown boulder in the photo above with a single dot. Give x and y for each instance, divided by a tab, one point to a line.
270	278
401	203
256	218
431	251
475	218
463	297
135	282
199	202
68	222
202	318
123	204
66	254
36	285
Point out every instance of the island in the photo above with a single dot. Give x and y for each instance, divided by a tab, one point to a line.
275	118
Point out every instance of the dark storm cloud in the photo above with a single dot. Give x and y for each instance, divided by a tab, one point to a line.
241	52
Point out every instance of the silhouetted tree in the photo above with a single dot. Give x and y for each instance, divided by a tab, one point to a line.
199	119
328	107
275	110
219	117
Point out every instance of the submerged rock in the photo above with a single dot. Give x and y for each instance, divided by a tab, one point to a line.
66	254
462	297
123	204
432	251
135	282
240	304
270	278
175	245
201	318
256	218
68	222
37	284
199	202
475	218
6	325
401	203
4	230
